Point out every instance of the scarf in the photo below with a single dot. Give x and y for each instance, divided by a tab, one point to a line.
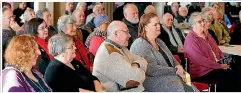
82	54
176	37
44	45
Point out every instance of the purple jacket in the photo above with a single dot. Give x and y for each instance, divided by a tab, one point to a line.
14	81
200	54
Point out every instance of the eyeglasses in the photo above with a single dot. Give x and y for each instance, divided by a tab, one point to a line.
201	21
72	46
126	31
43	28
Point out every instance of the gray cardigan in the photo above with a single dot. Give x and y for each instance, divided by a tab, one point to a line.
159	76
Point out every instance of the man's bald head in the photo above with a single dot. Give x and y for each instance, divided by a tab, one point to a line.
150	9
183	11
114	26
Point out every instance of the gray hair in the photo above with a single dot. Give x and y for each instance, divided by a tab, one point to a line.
206	17
40	12
180	8
80	4
63	20
57	43
97	6
126	6
26	13
193	17
206	9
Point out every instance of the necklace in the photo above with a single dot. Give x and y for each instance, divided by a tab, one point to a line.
38	85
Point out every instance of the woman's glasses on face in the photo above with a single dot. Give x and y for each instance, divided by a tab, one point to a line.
201	21
43	28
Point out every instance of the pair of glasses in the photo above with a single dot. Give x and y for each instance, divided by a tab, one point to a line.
201	21
72	46
43	28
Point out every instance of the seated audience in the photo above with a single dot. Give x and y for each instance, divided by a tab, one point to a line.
18	12
95	39
131	20
69	8
173	37
220	32
64	74
236	35
217	7
10	28
181	20
98	9
205	57
83	30
44	13
217	15
66	25
20	74
37	27
117	68
150	9
27	15
207	22
163	73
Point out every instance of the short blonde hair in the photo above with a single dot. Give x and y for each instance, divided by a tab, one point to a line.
21	52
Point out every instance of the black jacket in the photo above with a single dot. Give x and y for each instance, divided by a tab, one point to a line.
133	30
62	78
165	38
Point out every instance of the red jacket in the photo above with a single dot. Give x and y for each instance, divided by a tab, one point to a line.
82	54
95	43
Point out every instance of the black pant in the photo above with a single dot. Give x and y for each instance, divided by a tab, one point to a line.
225	79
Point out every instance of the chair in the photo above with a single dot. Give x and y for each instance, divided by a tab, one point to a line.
200	86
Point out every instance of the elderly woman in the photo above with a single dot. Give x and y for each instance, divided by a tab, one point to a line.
207	22
19	75
46	16
205	56
83	30
97	37
236	35
28	15
38	28
64	74
66	25
163	73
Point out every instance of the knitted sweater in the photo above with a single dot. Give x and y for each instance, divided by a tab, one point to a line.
112	66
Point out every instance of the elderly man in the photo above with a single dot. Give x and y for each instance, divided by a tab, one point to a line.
181	20
173	37
131	20
66	25
150	9
83	30
115	67
10	28
98	9
217	27
46	16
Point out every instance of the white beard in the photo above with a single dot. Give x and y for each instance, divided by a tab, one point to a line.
134	21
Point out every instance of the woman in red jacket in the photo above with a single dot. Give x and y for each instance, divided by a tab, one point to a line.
66	25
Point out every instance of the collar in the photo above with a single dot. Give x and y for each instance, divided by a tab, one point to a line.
113	43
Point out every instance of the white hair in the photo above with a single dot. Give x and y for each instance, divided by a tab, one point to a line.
97	6
180	8
80	4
